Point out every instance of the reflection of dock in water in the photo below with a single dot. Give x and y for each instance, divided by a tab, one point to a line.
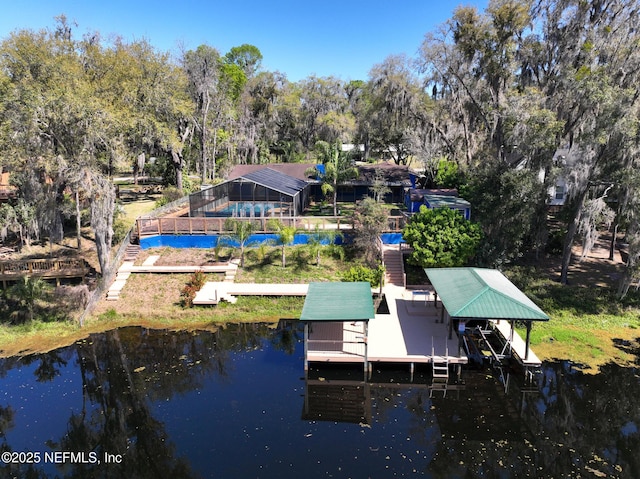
350	401
478	408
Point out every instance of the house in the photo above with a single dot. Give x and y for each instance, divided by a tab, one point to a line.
395	177
559	192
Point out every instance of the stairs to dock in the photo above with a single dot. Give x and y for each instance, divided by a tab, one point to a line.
394	270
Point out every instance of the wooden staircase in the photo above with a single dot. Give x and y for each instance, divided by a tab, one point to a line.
394	270
131	253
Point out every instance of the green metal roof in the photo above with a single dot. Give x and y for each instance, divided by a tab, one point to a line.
338	302
477	293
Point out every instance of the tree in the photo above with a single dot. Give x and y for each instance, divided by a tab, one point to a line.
369	222
320	112
379	188
441	238
396	101
337	169
241	231
203	69
27	292
247	57
286	235
321	238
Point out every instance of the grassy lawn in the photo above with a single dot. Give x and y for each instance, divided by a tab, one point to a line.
153	300
266	266
588	325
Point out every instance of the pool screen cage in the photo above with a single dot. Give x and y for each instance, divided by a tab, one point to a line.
262	193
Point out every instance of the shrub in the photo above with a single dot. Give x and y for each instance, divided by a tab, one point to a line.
364	273
169	194
188	293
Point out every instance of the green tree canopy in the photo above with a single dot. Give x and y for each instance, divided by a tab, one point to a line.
369	222
441	238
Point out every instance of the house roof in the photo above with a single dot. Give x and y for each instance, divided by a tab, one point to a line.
417	194
338	302
391	174
296	170
439	201
478	293
277	181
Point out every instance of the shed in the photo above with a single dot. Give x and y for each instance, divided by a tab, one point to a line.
332	304
433	199
485	294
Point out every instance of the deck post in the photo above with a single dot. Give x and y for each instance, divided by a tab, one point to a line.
306	346
526	343
513	325
366	350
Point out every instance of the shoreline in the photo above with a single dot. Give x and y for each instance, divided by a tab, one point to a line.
589	329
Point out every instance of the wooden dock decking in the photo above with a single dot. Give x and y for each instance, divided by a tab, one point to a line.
214	291
411	333
57	269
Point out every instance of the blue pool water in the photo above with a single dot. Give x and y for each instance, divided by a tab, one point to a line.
246	210
210	241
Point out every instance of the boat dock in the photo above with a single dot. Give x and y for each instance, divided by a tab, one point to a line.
410	333
415	327
515	344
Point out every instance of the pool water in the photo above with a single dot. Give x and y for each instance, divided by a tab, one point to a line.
247	210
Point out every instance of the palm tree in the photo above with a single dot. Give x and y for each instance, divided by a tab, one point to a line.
286	235
337	169
240	233
319	238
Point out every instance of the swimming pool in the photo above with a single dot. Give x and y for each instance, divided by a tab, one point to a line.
248	209
210	241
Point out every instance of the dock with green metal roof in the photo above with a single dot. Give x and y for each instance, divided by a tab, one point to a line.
341	326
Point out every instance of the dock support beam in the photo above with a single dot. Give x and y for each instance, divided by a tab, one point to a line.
306	346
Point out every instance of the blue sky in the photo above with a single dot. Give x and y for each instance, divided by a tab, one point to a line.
299	38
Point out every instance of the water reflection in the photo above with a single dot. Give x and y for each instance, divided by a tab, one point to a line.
232	403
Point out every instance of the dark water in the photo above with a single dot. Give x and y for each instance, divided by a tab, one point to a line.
235	404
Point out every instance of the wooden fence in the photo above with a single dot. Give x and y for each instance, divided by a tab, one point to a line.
192	226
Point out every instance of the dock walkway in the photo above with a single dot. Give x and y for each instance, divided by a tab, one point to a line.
215	291
410	333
